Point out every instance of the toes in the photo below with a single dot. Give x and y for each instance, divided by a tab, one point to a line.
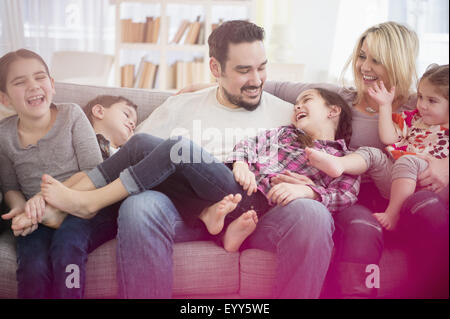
47	179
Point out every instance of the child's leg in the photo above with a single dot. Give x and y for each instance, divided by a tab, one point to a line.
83	204
335	166
401	189
71	245
211	180
33	267
404	179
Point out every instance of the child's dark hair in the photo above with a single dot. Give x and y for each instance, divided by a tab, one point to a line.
106	101
234	31
344	128
9	58
438	77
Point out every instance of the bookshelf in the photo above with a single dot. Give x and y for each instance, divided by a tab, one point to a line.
139	41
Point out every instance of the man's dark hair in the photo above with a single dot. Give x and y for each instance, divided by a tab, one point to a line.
234	31
106	101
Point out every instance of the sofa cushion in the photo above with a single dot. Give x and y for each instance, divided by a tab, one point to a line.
146	100
257	273
8	265
202	267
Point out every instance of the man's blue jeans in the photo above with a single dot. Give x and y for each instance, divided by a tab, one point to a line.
149	224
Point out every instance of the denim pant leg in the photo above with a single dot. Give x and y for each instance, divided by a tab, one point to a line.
131	153
424	229
34	272
71	245
358	237
300	234
148	226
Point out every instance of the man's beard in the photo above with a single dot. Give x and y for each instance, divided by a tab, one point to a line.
237	100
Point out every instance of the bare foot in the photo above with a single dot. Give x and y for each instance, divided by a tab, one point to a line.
327	163
239	230
65	199
387	220
213	216
52	218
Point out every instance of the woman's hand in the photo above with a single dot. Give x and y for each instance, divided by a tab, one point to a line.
245	177
292	178
435	178
284	193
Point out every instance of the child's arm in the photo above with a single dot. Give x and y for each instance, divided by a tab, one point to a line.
85	144
386	128
244	177
340	193
245	152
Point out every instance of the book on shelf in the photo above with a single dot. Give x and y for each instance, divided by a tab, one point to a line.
147	80
127	75
146	75
148	29
155	29
187	72
201	34
180	32
141	32
194	29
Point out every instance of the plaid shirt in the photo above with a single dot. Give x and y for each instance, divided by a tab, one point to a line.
277	150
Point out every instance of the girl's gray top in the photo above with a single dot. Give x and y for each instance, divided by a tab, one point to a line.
69	147
364	126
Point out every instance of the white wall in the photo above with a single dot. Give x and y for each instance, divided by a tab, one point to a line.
300	31
322	33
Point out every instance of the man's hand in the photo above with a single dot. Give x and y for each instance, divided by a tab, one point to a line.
195	87
245	177
284	193
435	178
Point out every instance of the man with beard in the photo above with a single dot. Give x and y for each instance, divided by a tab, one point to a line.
216	118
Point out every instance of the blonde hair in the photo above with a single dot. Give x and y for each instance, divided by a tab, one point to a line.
396	47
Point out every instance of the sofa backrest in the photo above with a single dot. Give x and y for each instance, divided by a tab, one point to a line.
146	100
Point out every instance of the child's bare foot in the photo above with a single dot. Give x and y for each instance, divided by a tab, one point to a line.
65	199
387	220
213	216
52	218
327	163
239	230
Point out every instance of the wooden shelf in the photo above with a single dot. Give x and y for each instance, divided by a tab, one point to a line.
165	49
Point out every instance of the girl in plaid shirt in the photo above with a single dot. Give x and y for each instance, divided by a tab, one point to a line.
224	198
